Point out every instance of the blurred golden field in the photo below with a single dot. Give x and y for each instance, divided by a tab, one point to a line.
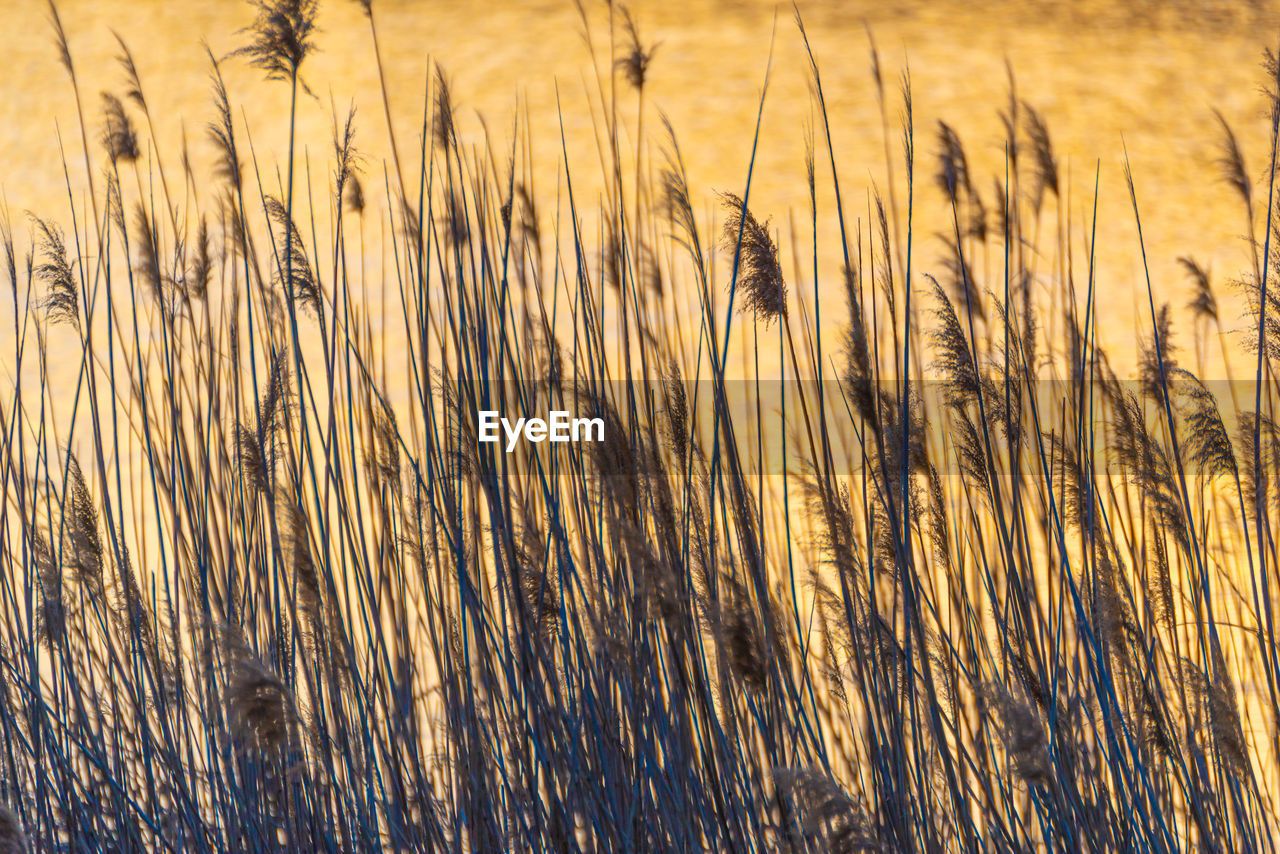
924	517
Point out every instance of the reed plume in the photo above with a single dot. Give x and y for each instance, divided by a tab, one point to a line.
1208	442
293	274
676	409
953	166
222	130
259	704
443	128
147	265
1023	734
51	618
118	134
62	293
1231	162
354	197
257	447
760	271
282	36
954	358
1203	303
1045	161
828	813
1157	363
83	551
347	159
195	282
12	839
385	462
634	64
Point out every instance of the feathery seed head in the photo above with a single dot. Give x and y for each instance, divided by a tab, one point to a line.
222	130
82	550
635	62
953	166
12	839
118	135
282	36
259	704
1231	162
1203	303
292	273
1046	162
759	269
62	295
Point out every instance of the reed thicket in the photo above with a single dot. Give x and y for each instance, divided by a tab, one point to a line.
947	583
